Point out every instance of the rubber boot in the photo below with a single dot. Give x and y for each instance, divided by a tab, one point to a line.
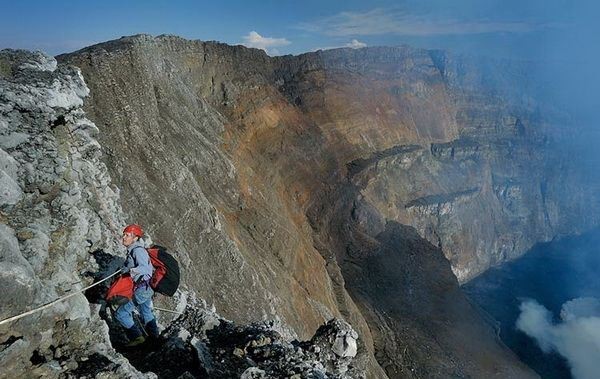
152	329
135	336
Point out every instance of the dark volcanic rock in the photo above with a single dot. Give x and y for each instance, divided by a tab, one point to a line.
414	302
207	346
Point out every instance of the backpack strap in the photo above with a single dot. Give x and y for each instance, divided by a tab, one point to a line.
135	263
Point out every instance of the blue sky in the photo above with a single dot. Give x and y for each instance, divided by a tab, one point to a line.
521	28
560	34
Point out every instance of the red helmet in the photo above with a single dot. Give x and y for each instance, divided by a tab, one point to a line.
134	229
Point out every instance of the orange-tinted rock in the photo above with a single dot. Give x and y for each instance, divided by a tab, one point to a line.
281	180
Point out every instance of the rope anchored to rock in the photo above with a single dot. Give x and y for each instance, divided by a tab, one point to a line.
48	305
168	311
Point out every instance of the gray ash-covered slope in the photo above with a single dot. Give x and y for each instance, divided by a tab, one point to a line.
266	171
60	218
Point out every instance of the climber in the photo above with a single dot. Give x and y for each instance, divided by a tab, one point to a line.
138	265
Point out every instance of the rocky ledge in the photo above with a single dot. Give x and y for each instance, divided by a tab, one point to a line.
205	345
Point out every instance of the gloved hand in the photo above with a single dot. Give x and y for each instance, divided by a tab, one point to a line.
124	270
133	272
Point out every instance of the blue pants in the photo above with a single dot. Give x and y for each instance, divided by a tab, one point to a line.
142	299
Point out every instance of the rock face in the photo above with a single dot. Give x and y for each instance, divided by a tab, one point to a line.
56	198
60	212
258	167
348	184
200	343
461	152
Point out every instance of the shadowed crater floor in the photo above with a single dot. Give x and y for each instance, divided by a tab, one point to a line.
552	274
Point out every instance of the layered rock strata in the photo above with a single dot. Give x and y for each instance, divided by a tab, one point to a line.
357	184
266	171
61	215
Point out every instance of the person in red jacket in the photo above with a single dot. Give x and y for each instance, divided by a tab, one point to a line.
138	265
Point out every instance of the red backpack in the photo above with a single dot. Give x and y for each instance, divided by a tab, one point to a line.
166	276
121	291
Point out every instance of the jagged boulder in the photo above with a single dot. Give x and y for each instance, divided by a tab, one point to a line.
206	345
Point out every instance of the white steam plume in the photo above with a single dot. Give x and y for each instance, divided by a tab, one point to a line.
576	337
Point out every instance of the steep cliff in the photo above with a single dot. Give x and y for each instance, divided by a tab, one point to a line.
459	148
55	200
362	184
61	218
284	179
